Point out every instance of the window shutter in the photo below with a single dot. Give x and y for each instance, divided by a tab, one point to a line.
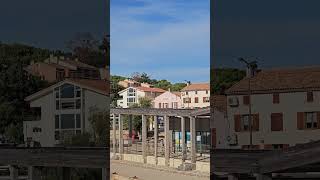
300	120
237	123
276	122
276	98
246	100
255	122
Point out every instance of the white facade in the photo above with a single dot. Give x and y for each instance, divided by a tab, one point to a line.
65	111
132	95
290	104
195	98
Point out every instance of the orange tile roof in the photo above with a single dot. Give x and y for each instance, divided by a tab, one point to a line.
280	80
148	89
197	86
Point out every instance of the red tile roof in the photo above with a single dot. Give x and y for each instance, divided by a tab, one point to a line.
280	80
197	86
148	89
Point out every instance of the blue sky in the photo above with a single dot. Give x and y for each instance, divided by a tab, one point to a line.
168	39
280	33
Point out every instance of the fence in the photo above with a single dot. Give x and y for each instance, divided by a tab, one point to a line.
135	147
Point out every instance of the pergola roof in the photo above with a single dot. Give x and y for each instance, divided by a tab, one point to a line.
161	111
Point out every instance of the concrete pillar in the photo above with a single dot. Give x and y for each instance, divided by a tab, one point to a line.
263	177
144	138
13	173
130	126
155	137
31	173
167	140
232	177
66	173
120	137
193	139
104	174
114	136
183	139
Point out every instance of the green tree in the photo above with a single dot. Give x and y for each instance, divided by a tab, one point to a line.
222	79
178	86
99	122
163	84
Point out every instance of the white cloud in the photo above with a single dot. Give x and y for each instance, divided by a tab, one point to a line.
182	37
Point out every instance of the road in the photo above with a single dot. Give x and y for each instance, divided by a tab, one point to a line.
129	170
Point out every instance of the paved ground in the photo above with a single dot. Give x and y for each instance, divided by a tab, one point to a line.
128	169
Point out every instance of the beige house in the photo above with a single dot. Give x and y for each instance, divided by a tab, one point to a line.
128	83
285	109
131	95
196	95
64	109
168	99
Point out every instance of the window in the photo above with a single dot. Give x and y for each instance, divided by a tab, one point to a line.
196	100
57	135
276	98
207	91
196	92
246	100
159	105
78	92
187	93
67	91
67	105
166	105
57	122
78	104
131	92
310	96
242	122
57	104
131	100
245	123
67	121
175	105
311	120
78	121
276	122
206	99
186	100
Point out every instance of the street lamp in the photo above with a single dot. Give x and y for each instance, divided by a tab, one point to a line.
251	66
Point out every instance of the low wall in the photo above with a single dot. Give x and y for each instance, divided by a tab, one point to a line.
174	163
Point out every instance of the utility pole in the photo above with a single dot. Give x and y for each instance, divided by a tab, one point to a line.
250	67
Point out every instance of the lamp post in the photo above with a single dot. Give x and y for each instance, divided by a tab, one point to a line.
250	67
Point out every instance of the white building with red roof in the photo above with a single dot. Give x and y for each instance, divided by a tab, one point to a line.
63	110
132	95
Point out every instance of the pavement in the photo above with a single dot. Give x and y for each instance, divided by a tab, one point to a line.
143	172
